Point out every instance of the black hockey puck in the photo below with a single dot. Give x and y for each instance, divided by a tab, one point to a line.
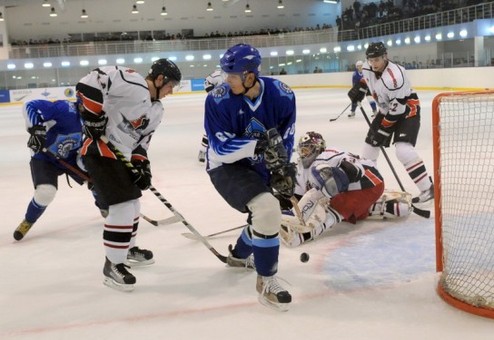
304	257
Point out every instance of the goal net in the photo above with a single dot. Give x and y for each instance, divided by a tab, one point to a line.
463	137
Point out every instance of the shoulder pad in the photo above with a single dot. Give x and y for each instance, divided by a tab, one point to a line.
392	77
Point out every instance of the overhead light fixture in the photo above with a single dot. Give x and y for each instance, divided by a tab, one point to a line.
209	8
1	16
134	9
53	13
247	8
140	2
163	11
280	4
84	14
45	3
330	1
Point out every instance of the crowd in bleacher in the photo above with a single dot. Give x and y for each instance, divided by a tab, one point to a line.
354	17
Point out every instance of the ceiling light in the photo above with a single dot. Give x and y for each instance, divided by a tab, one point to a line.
45	3
163	11
247	8
209	8
84	14
280	4
134	9
52	12
140	2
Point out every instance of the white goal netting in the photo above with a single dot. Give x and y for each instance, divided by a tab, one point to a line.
464	162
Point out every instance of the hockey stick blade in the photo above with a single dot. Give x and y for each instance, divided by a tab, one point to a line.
421	212
165	221
192	236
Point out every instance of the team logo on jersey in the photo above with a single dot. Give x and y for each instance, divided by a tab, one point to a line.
140	123
64	144
255	129
285	88
218	92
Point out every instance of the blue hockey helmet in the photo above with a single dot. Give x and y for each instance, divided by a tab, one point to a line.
241	58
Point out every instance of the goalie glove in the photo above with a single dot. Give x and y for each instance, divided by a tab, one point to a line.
331	180
37	138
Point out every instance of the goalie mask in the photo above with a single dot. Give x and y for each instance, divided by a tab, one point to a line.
310	145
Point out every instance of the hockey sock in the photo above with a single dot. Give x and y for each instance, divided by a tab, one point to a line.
34	211
243	247
266	252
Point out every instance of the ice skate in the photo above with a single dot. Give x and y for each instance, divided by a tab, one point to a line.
425	195
272	294
22	230
351	114
117	276
137	257
232	261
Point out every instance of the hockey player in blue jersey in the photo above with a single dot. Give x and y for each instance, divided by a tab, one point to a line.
250	125
356	77
55	130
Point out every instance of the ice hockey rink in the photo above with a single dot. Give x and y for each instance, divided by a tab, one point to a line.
373	280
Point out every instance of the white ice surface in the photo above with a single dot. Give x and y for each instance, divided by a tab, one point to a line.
375	280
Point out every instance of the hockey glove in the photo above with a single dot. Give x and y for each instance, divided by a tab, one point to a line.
380	138
275	154
142	168
358	92
142	177
37	138
283	179
94	126
331	180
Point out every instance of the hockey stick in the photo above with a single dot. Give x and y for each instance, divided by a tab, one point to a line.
193	237
165	221
342	112
163	200
418	211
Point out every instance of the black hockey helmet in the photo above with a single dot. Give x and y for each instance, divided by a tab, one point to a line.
167	68
375	49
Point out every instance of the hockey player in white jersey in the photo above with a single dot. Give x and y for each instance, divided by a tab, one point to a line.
250	122
212	80
335	186
119	104
398	118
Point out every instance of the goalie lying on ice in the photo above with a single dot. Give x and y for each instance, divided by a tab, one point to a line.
337	186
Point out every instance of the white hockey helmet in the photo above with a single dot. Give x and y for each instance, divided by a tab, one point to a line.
359	63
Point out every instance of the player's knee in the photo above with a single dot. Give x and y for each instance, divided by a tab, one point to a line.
266	214
44	194
406	153
122	213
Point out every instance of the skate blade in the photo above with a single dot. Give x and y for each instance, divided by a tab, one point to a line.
279	307
118	286
134	264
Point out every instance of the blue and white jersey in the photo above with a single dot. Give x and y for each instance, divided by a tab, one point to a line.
63	128
356	77
233	123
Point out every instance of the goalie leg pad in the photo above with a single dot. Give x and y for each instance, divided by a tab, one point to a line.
391	204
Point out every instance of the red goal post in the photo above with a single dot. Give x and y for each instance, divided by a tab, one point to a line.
463	144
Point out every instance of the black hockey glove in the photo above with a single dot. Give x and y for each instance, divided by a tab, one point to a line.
142	168
283	179
142	175
275	155
358	92
37	138
380	138
93	126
